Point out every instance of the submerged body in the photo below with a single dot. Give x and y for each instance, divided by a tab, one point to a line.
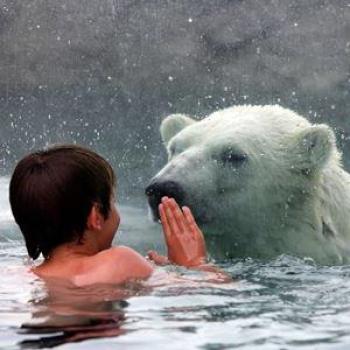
261	181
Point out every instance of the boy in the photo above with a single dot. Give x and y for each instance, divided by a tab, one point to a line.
63	201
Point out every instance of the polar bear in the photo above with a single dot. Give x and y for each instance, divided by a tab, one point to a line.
261	181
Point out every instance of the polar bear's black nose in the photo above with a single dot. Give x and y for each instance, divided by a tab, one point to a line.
156	190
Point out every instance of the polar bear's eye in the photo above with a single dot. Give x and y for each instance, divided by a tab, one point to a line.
230	157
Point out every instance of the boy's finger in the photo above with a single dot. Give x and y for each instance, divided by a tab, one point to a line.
157	258
179	216
151	254
174	227
190	220
165	223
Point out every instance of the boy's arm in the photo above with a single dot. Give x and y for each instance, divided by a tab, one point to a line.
220	276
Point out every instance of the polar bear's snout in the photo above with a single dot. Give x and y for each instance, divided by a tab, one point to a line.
158	189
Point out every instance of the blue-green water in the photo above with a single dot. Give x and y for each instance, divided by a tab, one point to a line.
286	303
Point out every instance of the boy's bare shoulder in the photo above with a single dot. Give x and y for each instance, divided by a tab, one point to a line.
127	260
114	265
121	252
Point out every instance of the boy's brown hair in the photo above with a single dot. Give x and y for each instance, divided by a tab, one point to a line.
52	192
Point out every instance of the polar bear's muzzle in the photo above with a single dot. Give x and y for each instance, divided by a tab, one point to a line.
158	189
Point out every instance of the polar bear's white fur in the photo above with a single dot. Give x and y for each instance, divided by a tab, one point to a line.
261	181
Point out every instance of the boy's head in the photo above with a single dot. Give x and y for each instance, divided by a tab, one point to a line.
53	191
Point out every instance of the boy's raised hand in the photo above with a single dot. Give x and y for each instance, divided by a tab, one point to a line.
184	239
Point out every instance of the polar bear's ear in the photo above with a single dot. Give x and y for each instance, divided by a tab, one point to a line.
312	147
173	124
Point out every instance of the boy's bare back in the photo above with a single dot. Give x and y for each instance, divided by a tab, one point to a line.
115	265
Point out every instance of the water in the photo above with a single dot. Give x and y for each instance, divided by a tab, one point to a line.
286	303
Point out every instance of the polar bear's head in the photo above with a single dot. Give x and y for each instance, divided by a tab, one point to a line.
246	166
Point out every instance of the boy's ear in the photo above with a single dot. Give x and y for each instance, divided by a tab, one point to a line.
172	125
311	148
95	218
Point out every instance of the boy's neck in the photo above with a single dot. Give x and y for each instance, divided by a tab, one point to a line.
88	246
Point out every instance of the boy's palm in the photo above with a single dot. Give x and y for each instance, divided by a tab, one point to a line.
184	239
